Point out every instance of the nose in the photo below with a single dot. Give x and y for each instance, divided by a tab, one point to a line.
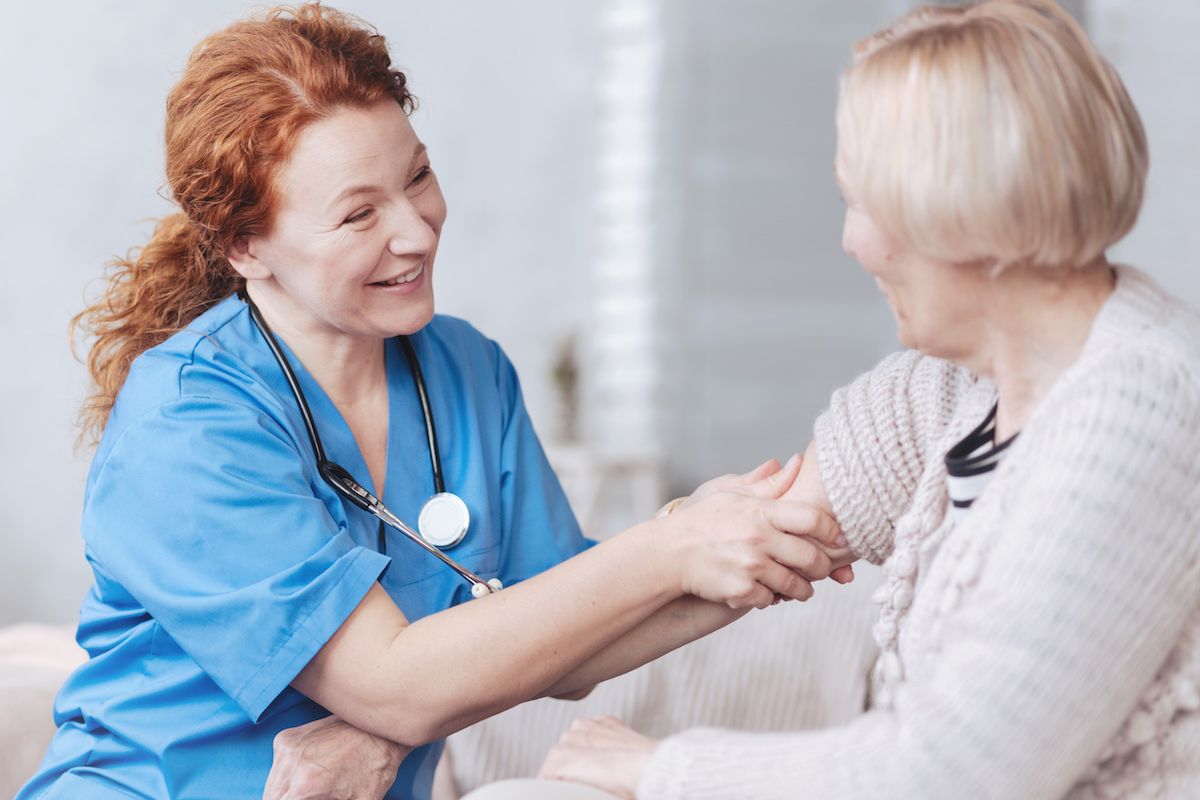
412	233
847	236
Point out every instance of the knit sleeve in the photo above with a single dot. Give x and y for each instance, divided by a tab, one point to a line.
1049	637
873	440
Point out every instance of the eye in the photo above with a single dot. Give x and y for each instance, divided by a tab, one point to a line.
422	175
358	216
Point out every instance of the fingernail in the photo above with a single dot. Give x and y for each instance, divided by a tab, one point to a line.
841	540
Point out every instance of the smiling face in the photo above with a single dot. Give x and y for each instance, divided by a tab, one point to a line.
351	247
938	304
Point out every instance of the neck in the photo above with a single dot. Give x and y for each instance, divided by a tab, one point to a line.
350	369
1035	325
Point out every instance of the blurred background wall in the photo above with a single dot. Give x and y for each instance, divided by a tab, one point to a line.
642	210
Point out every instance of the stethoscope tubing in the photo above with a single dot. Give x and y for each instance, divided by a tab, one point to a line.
340	479
388	518
435	453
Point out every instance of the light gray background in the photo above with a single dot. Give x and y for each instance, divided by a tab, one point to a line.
761	313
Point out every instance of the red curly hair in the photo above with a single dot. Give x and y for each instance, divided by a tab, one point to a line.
232	120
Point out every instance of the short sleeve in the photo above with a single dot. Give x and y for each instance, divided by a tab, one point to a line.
540	527
204	512
873	441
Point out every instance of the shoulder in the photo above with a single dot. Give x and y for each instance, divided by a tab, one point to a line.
212	369
474	352
917	394
210	350
1129	407
1141	360
1142	321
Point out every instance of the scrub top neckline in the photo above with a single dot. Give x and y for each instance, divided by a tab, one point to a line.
340	444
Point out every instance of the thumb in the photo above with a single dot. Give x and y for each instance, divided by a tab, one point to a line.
774	485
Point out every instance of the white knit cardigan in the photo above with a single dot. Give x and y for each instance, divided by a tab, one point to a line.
1047	645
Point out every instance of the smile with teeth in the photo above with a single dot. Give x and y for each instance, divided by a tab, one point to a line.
405	278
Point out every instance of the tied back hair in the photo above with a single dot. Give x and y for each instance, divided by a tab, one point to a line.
233	118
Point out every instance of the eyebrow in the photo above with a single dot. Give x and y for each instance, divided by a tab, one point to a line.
367	188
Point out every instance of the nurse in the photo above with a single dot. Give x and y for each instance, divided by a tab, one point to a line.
237	596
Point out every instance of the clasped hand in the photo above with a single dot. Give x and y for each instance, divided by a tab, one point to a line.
742	544
329	759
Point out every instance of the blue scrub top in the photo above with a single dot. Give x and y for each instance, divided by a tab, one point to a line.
223	562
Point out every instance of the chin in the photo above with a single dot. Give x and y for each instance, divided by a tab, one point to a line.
413	318
905	334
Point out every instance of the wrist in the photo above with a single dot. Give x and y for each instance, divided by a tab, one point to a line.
663	552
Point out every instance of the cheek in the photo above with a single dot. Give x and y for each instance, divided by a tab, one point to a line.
865	242
432	208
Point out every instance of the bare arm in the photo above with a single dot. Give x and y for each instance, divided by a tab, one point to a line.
681	621
417	682
689	618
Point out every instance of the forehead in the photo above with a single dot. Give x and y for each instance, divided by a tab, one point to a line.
351	144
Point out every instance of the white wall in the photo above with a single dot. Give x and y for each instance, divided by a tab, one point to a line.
506	91
762	314
765	313
1153	46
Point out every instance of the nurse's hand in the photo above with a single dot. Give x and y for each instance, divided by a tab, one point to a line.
332	760
743	546
770	479
602	752
781	479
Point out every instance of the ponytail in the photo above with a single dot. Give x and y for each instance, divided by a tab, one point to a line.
151	294
232	120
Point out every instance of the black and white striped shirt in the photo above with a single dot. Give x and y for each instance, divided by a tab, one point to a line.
971	463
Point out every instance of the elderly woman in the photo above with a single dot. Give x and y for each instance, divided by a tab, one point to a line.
1027	473
269	370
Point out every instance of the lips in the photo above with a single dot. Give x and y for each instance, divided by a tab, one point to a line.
407	277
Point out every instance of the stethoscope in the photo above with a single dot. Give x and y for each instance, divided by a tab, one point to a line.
444	518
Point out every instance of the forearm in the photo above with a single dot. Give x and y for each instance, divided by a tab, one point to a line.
422	681
679	622
414	683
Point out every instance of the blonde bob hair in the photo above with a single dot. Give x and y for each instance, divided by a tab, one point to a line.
992	132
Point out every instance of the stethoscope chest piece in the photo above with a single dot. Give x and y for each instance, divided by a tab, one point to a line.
444	520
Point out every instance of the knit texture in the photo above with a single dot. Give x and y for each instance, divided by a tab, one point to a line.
1045	645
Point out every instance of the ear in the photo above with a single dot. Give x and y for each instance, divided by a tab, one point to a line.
243	258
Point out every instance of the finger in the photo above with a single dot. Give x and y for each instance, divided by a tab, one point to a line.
782	581
803	519
768	467
775	484
800	554
762	598
843	574
757	597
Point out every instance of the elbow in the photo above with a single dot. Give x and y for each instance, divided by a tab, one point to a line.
411	724
578	694
404	729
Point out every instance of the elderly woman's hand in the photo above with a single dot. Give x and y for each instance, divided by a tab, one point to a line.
602	752
332	760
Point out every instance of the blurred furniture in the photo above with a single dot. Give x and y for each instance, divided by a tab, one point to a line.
34	661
